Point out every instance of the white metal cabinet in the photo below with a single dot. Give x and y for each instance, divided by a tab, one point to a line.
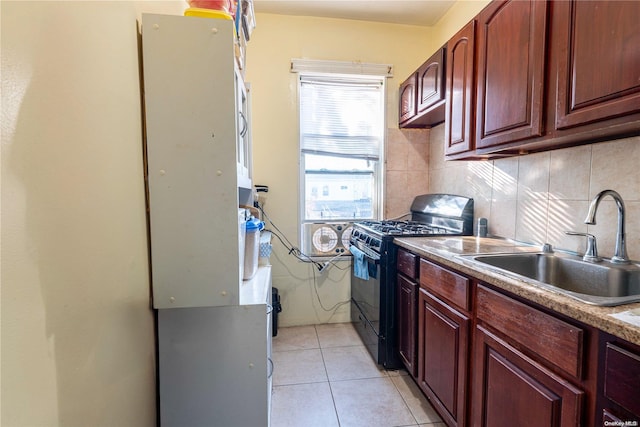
199	159
215	362
214	329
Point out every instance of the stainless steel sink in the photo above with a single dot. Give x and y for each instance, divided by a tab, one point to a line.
603	283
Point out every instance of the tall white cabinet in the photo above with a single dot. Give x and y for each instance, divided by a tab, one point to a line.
198	152
214	329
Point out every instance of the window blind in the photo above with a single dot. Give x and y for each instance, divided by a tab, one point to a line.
342	116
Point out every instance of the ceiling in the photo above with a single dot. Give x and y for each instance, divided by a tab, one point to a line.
409	12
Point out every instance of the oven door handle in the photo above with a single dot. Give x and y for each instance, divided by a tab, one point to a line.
369	255
373	259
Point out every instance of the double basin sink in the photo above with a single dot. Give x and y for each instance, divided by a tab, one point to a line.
603	283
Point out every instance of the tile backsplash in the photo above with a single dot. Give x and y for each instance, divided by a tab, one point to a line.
535	198
407	169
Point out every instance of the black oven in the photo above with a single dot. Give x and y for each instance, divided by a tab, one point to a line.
371	299
373	272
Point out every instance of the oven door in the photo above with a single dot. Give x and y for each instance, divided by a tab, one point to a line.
365	307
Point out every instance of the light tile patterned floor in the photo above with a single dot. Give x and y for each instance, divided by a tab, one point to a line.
325	377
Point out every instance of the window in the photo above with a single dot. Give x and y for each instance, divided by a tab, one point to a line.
342	123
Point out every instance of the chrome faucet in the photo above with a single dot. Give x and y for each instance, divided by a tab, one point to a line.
620	255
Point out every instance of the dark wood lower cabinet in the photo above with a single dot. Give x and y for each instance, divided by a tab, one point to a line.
407	323
487	358
510	389
619	388
443	344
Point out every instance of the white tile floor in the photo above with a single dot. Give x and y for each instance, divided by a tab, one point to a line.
325	377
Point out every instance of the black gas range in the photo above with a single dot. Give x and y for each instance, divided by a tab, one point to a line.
373	274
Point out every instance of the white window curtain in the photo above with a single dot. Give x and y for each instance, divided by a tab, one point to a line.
342	116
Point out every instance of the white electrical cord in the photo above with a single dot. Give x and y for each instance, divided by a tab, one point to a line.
335	307
296	252
293	250
332	262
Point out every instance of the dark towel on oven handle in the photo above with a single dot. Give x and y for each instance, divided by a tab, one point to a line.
373	270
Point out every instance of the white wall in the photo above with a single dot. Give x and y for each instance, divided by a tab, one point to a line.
276	40
77	330
456	17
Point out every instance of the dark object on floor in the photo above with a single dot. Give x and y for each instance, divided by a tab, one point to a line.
277	308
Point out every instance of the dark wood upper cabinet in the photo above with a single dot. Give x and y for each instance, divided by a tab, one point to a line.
408	106
428	102
598	70
460	92
511	69
548	74
431	83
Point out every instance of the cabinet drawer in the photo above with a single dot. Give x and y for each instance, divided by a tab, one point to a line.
622	370
407	263
449	285
552	339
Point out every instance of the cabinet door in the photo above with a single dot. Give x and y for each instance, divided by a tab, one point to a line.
443	340
621	374
509	389
408	105
430	82
211	358
511	70
460	90
598	74
192	160
407	322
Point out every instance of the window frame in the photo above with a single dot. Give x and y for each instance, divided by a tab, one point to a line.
379	169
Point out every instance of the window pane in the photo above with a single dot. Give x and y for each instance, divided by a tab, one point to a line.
338	188
315	162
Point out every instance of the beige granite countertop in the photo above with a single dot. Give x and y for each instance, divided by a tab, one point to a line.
448	251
